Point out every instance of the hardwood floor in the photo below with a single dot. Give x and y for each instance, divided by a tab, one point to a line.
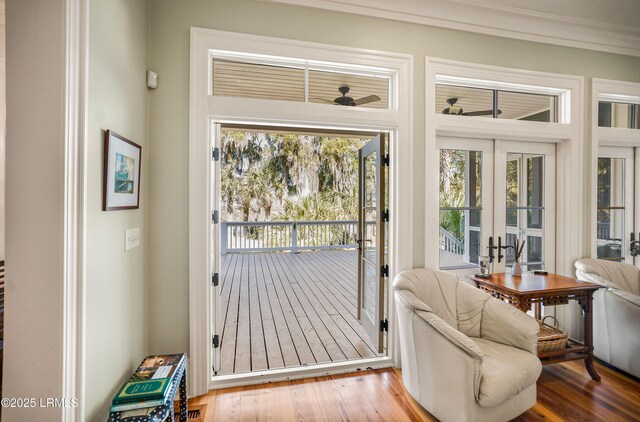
565	393
287	309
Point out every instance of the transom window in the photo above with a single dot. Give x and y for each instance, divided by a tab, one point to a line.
289	79
461	100
625	115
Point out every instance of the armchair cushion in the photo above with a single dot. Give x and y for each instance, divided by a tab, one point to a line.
480	315
505	372
502	323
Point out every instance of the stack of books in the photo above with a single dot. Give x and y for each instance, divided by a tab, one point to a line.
150	385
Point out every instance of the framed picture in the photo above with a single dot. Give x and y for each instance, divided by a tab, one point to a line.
121	184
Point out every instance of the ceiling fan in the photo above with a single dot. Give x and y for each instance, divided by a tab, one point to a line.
457	110
348	101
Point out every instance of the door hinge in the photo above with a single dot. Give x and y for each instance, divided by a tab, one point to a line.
384	271
385	160
215	279
215	217
384	325
215	154
385	216
215	341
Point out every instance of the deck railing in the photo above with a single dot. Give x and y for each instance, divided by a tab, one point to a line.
449	243
287	235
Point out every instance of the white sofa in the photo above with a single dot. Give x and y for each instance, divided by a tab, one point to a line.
616	312
466	356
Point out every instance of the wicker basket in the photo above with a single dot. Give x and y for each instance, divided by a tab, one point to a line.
551	338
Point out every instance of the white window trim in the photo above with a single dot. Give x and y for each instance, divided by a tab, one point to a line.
608	136
567	135
204	108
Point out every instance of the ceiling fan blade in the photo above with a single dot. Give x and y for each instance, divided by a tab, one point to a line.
481	113
322	100
367	99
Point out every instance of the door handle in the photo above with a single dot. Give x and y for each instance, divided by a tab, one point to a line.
491	248
501	248
634	245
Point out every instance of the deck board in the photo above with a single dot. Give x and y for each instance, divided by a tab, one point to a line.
286	310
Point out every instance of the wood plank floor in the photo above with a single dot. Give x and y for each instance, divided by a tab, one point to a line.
286	309
565	393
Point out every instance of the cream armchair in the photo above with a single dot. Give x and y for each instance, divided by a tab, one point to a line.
466	356
616	312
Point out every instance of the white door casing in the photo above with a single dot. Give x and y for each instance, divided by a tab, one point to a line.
205	108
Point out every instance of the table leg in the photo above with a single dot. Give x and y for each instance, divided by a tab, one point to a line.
183	397
538	310
588	336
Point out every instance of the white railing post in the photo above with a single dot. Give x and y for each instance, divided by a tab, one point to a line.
294	237
224	238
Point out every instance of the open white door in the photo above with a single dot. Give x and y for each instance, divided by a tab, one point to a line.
215	247
372	218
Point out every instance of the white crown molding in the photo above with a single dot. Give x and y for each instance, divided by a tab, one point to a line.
491	19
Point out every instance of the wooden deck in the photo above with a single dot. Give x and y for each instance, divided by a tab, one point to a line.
282	310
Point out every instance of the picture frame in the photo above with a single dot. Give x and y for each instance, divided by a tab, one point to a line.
121	180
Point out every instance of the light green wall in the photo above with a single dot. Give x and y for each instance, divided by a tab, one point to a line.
169	111
117	288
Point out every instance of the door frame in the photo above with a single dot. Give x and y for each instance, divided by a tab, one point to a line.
493	213
502	148
607	136
205	108
567	134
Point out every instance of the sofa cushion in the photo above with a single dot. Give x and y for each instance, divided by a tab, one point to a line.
505	372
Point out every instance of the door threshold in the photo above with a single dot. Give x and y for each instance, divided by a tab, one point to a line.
299	372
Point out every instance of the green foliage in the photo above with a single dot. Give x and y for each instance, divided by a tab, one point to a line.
299	176
452	220
452	165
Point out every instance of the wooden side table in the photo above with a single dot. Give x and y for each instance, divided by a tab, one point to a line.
549	290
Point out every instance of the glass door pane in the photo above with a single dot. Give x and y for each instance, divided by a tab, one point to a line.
460	198
525	209
614	218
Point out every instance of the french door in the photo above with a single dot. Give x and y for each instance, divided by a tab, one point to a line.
372	244
496	191
617	211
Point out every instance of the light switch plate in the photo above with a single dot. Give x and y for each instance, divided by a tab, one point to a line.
131	238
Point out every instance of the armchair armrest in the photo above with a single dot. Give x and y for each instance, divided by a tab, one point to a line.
629	297
454	336
505	324
411	302
595	278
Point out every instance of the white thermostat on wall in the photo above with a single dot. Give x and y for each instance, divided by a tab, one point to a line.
152	79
